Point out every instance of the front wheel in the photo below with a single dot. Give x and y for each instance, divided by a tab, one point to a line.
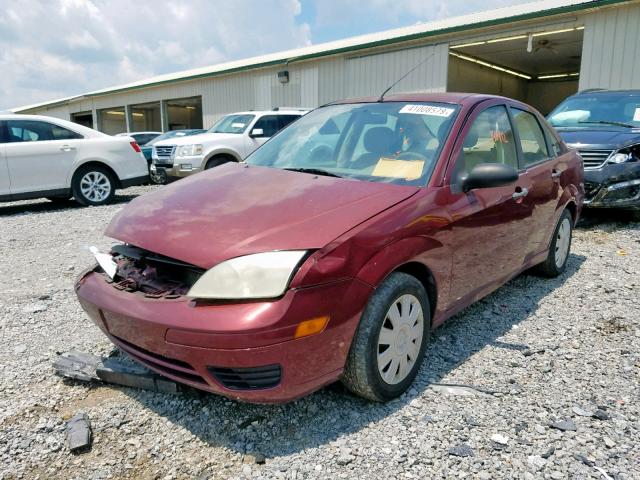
559	249
389	344
216	161
93	185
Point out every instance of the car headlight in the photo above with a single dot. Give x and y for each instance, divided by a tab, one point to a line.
261	275
627	154
620	157
189	150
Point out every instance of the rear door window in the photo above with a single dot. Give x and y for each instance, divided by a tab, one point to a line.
287	119
532	141
61	133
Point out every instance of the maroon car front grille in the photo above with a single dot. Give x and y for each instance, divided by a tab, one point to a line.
169	366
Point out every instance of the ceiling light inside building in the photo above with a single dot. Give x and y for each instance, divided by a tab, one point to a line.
490	65
516	37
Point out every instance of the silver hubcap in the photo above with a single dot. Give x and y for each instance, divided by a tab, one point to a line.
400	339
95	186
562	242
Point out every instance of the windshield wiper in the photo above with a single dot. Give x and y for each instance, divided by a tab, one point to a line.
316	171
604	122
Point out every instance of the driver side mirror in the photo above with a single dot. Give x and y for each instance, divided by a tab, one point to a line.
257	132
489	175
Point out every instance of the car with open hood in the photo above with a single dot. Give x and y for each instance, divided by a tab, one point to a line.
359	229
604	126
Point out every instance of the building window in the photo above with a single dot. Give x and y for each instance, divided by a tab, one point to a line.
145	117
112	120
83	118
184	113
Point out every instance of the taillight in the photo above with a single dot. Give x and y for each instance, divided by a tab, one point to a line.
136	147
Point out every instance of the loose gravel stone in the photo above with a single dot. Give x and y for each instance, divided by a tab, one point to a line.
527	355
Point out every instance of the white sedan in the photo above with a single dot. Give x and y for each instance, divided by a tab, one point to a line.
55	159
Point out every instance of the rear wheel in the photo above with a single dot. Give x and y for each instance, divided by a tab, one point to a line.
560	247
93	185
217	160
389	345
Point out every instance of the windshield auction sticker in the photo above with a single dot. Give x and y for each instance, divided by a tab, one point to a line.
636	115
427	110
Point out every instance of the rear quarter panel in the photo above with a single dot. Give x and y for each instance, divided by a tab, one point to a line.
115	152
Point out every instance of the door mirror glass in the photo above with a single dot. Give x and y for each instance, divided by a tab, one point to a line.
257	132
489	175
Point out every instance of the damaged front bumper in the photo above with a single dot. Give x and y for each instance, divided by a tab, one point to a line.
246	350
613	186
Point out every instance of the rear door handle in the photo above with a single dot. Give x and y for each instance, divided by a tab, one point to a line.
67	148
522	193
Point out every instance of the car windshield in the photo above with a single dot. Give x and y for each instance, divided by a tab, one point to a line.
621	110
174	134
392	142
232	124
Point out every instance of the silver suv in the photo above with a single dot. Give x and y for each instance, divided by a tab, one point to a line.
231	139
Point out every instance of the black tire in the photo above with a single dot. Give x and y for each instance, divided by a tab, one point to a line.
217	160
97	170
362	375
550	268
633	215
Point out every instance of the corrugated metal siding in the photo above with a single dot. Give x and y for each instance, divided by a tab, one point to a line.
611	49
372	74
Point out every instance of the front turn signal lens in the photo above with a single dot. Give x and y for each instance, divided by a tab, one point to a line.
311	327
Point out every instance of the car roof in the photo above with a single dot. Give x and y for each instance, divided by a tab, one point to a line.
459	98
125	134
281	111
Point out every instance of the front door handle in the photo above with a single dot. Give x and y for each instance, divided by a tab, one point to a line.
556	174
67	148
522	193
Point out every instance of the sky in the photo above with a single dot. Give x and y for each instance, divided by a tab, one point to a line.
51	49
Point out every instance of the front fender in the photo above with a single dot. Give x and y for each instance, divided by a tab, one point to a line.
428	252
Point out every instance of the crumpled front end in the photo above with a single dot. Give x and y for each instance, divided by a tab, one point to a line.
613	186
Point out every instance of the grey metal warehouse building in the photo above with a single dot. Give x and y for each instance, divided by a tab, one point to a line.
536	52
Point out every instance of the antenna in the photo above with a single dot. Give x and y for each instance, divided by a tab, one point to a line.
405	75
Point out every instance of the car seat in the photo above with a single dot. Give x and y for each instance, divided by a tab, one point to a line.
379	142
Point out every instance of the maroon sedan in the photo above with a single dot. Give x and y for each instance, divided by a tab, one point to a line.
337	247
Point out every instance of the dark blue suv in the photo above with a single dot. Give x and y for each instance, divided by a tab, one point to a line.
604	126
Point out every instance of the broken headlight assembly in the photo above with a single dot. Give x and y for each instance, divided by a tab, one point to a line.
627	154
261	275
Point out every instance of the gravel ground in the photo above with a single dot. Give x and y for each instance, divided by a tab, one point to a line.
554	366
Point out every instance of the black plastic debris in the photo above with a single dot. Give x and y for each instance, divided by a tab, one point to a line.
77	365
133	375
87	368
79	433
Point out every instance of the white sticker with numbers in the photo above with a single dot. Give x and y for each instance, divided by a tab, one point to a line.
427	110
636	115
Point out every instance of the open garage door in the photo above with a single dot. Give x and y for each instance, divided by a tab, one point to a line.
540	68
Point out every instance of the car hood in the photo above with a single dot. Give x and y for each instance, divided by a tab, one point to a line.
236	209
612	139
196	139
